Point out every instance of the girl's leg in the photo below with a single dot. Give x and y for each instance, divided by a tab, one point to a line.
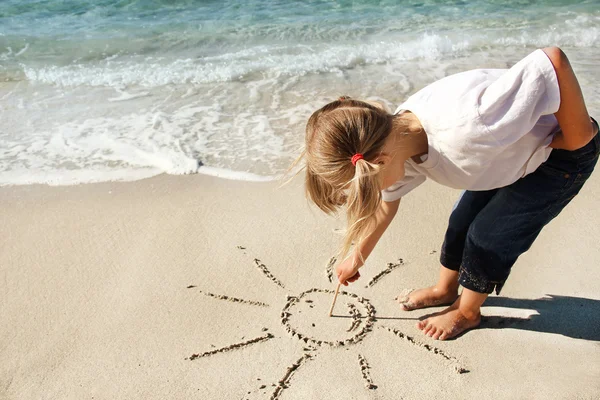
506	228
445	291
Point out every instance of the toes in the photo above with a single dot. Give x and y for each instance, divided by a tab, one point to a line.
438	334
443	336
428	328
405	303
432	331
421	324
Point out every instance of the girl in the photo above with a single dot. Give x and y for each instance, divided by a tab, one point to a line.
490	132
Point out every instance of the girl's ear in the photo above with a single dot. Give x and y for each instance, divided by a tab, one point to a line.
382	159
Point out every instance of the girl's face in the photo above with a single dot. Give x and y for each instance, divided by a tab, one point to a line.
399	147
392	161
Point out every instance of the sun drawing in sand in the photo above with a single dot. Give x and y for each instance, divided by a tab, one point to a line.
353	319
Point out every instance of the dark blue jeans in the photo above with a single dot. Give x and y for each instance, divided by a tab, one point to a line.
489	230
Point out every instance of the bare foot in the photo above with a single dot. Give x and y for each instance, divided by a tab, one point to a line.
427	297
448	323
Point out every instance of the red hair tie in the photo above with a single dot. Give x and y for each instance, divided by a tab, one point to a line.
357	157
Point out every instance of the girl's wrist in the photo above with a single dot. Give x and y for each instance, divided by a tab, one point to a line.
357	259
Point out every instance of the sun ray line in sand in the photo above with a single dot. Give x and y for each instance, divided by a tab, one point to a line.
356	316
458	367
285	381
364	369
390	267
263	268
231	299
329	268
234	346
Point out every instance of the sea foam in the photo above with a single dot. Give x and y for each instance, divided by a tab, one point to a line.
95	92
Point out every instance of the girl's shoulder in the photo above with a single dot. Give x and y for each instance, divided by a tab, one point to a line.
454	97
505	103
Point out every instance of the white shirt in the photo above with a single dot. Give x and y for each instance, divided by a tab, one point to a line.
486	128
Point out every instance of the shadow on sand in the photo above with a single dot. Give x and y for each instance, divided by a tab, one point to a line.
575	317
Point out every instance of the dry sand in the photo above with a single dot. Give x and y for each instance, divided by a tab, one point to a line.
180	287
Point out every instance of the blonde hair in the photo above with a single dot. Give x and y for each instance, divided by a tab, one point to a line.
334	134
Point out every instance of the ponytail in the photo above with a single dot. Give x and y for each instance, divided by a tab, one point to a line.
363	201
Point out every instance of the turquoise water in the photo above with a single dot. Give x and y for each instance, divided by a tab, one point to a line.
120	90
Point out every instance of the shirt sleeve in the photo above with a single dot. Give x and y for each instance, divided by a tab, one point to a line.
411	180
512	104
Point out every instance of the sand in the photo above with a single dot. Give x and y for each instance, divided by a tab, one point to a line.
179	287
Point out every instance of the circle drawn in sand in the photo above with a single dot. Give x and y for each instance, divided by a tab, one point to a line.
306	317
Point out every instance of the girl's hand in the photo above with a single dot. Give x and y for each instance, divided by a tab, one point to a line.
347	271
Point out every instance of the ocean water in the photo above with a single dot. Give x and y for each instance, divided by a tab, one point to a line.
97	90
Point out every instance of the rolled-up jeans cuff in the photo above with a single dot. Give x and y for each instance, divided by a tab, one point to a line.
450	262
478	283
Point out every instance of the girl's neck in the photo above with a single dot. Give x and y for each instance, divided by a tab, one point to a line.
410	136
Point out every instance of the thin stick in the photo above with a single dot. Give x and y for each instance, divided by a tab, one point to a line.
337	290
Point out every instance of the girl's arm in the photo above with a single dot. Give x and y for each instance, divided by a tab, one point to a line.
575	123
347	271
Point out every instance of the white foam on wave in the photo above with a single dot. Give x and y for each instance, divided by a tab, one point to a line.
96	149
26	176
187	138
66	177
581	31
274	60
23	50
270	61
236	175
124	96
